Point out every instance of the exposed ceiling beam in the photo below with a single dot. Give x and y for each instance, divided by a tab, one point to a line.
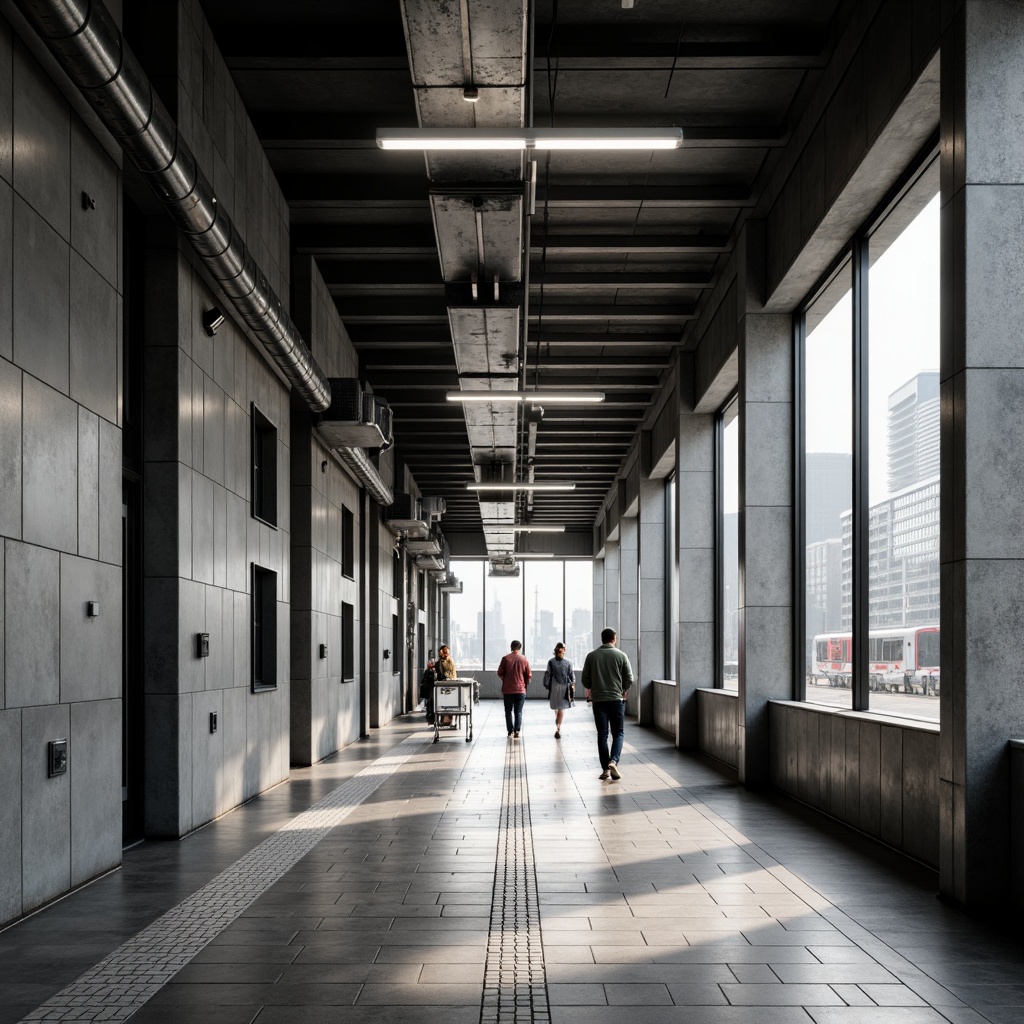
358	240
372	274
284	45
304	191
416	308
370	336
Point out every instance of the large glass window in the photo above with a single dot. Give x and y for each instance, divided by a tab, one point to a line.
871	466
903	453
671	576
579	634
503	617
466	617
547	602
729	621
827	492
542	590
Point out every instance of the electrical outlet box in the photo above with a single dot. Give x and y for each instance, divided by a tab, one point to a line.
213	721
202	645
323	651
57	757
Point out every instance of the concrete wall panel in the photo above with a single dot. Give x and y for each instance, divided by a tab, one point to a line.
10	814
31	607
10	449
46	806
95	789
89	646
50	468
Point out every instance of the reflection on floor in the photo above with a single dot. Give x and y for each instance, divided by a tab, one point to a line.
671	895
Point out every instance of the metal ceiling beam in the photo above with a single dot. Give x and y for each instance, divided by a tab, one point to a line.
412	362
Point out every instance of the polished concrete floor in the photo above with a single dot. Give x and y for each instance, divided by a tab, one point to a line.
502	880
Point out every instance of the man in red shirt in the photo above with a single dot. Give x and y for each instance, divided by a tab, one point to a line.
514	673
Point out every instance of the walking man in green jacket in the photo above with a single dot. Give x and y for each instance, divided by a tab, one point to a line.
607	675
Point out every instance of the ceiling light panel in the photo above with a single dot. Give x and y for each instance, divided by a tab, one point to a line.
512	139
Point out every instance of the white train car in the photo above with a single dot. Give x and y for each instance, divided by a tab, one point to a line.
904	659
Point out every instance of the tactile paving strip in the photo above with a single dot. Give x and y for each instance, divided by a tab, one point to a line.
122	982
515	982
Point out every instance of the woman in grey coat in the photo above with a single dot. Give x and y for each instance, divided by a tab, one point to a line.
559	680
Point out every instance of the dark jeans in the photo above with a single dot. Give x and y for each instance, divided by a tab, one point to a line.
514	703
609	714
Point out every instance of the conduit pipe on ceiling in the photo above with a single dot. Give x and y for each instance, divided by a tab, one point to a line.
89	46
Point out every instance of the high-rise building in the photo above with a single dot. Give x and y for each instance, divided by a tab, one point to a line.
913	435
829	483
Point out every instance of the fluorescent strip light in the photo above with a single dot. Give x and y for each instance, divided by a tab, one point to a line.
538	529
529	138
522	487
519	555
534	397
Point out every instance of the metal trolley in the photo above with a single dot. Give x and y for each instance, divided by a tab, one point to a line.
453	700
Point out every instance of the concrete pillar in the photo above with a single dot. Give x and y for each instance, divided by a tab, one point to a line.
695	490
598	601
982	445
629	600
611	589
650	663
765	515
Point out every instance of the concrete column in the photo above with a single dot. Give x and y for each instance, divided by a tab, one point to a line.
599	587
611	589
765	532
651	644
982	445
629	600
695	480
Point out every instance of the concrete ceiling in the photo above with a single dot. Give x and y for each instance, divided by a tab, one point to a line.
624	247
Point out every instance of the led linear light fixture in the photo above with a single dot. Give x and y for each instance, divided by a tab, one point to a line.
538	529
529	138
512	486
537	397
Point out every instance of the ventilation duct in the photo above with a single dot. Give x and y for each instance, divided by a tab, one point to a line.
354	419
366	472
88	45
405	517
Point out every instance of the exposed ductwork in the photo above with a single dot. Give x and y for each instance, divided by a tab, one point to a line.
89	46
364	470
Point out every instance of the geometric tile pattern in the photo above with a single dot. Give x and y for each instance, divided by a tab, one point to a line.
123	981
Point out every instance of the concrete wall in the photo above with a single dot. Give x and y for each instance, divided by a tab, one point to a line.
718	725
880	775
324	706
201	538
60	491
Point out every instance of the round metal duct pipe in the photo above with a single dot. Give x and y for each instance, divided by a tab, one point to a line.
89	46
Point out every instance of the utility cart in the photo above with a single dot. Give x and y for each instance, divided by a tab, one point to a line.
453	701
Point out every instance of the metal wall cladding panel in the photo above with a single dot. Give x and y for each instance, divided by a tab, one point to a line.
497	35
501	228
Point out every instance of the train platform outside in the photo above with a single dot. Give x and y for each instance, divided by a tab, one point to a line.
500	881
